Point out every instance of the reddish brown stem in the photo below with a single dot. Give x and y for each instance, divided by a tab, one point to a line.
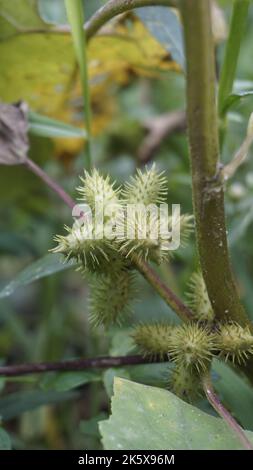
74	365
164	291
50	182
224	413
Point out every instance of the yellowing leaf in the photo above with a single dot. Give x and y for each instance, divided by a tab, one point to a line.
40	67
19	15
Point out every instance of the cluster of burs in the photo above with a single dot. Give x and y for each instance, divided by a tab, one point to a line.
110	264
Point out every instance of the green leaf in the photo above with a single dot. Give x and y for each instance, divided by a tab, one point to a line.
89	427
146	417
164	25
19	15
110	375
64	381
235	393
122	343
48	127
5	442
16	403
46	266
234	98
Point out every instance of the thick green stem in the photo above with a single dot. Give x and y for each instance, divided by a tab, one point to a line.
208	196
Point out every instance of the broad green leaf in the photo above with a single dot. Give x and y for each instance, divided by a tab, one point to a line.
5	442
235	98
122	342
64	381
48	127
110	375
16	403
89	427
19	15
146	417
157	375
164	25
235	393
46	266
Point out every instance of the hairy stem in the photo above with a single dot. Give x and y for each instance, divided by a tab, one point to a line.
208	196
224	413
77	364
50	182
164	291
115	7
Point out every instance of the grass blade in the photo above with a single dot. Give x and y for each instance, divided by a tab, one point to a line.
75	14
237	23
48	127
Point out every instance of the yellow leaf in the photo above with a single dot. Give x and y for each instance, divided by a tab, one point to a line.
40	68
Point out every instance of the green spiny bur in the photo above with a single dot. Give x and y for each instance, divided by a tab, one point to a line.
234	342
185	383
147	187
90	252
198	299
110	261
110	297
192	346
153	339
97	188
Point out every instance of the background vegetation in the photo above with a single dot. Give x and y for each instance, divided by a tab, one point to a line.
134	80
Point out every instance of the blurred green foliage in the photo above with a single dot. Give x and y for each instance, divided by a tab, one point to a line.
47	320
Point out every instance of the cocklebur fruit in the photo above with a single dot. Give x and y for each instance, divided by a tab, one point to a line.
192	346
234	342
111	295
80	245
153	339
98	189
198	299
147	187
185	383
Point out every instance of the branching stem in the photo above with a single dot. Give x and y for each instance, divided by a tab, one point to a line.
208	195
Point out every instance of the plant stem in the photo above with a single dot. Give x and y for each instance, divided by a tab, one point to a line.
116	7
164	291
77	364
224	413
75	12
236	28
208	196
50	182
